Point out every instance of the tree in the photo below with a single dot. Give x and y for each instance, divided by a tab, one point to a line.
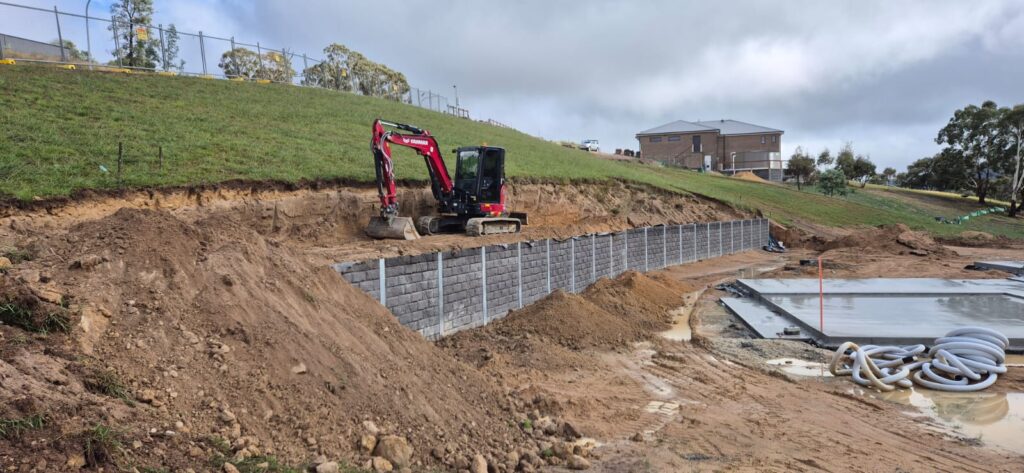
1013	125
972	136
918	175
863	169
832	182
825	158
170	58
800	165
73	53
845	160
888	174
345	69
276	67
136	46
245	63
240	62
333	72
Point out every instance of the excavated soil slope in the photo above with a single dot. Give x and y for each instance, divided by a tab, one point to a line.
234	336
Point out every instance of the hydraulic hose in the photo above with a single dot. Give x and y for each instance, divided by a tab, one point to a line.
965	359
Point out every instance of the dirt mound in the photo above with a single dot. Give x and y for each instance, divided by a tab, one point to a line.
571	321
897	238
227	344
749	176
638	299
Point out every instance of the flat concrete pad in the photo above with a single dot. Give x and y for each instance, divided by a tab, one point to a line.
1014	267
759	318
884	310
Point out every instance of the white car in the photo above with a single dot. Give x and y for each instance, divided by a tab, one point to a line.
590	145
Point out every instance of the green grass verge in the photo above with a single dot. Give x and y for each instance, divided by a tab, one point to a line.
58	128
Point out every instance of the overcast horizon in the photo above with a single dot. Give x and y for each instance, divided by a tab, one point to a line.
882	75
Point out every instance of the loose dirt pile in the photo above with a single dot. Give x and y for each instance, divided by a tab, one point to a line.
612	313
896	239
195	344
749	176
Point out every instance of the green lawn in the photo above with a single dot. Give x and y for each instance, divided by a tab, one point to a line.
58	127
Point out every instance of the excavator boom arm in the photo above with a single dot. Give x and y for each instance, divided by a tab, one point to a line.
419	140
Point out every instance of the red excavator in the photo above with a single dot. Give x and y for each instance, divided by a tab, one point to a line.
474	202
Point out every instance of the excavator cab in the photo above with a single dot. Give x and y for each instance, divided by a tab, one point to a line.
479	175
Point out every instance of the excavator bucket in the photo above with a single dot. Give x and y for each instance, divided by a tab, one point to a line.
395	228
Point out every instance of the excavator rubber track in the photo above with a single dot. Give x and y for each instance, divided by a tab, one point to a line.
492	226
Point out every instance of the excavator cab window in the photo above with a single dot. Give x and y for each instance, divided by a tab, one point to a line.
480	173
492	165
466	170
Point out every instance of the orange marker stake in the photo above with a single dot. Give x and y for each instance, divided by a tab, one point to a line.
821	299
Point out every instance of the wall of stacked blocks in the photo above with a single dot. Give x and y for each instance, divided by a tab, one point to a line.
438	294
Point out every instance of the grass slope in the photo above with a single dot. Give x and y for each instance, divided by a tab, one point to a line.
58	128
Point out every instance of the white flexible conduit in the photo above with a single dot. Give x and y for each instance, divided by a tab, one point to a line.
966	359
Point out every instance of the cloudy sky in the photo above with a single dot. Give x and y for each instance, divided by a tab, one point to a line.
884	75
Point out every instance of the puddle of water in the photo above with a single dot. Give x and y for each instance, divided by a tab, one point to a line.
663	408
798	367
680	331
997	419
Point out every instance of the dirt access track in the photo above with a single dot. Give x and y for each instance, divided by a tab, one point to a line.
182	331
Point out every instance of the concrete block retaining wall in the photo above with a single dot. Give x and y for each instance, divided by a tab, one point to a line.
438	294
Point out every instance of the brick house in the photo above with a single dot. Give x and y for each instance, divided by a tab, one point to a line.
726	146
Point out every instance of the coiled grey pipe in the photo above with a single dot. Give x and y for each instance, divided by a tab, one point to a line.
966	359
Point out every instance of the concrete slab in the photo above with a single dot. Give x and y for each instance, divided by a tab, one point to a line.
886	310
1014	267
759	318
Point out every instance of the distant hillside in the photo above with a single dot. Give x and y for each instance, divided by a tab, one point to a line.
59	129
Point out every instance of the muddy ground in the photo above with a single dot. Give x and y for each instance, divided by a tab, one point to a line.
181	331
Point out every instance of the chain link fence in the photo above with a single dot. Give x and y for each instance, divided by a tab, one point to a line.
194	54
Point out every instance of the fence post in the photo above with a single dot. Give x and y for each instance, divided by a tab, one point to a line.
60	37
519	271
695	242
440	294
611	254
572	262
680	244
163	47
593	257
646	265
120	162
161	156
548	258
707	228
259	55
383	282
625	266
305	62
720	239
664	246
202	51
117	41
483	277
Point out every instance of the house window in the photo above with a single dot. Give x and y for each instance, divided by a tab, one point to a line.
673	138
655	139
697	147
775	138
764	139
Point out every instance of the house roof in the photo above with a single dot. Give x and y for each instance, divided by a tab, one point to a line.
724	127
736	127
678	126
